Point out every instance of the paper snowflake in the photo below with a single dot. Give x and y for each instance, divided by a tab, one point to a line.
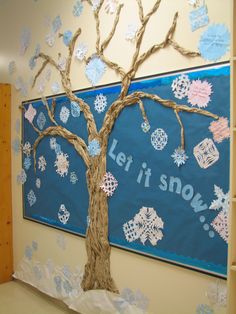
146	225
78	8
11	67
111	6
22	177
25	40
100	103
75	109
38	273
31	198
56	24
204	309
221	225
48	74
81	51
32	61
94	148
95	69
63	214
55	87
30	113
109	184
21	86
27	163
199	93
41	85
199	18
217	293
222	201
179	156
53	143
73	178
67	36
58	149
145	126
16	145
159	139
220	129
28	253
62	164
95	4
41	120
64	114
214	42
193	2
206	153
136	298
42	163
50	39
58	281
131	32
38	183
180	86
62	63
27	149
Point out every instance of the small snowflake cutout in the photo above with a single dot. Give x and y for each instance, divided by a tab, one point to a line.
67	36
41	120
28	253
206	153
94	148
22	177
217	293
204	309
222	201
180	86
25	40
179	156
73	178
109	184
11	67
27	149
78	8
220	129
199	93
27	163
199	18
159	139
62	164
62	63
16	145
31	198
100	103
56	24
64	114
145	126
111	6
42	163
81	51
50	39
63	214
95	4
95	69
131	32
38	183
53	143
75	109
55	87
30	113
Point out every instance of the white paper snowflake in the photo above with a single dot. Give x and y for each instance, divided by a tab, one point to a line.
62	164
75	109
41	120
73	177
50	39
63	214
217	293
145	226
22	177
221	225
222	201
136	298
145	126
81	51
42	163
94	148
38	183
159	139
55	87
206	153
179	156
131	32
194	2
25	40
31	198
53	143
95	4
109	184
64	114
180	86
111	6
27	149
62	63
100	103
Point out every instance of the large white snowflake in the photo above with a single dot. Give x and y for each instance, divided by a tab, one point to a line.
62	164
179	156
180	86
27	149
131	32
64	114
100	103
109	184
222	201
42	163
111	6
81	51
145	226
159	139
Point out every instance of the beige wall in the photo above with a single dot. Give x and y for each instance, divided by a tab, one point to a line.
170	289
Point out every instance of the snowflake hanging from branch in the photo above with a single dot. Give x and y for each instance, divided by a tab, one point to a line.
159	139
179	156
100	103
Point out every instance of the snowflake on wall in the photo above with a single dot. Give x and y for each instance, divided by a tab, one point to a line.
11	67
109	184
62	63
30	113
53	143
55	87
199	17
179	156
42	163
94	148
67	36
222	201
27	163
21	86
41	85
131	32
136	298
95	4
28	253
111	6
73	177
217	293
81	51
50	39
145	126
146	225
180	86
38	183
193	2
25	40
199	93
31	198
64	114
206	153
220	129
27	148
78	8
56	24
62	164
41	120
95	69
33	59
75	109
159	139
63	214
22	177
100	103
16	145
204	309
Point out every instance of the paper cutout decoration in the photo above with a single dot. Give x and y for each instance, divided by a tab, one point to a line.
221	225
199	18
95	4
31	198
78	8
28	253
32	61
73	178
81	51
204	309
30	113
62	63
136	298
180	86
111	6
50	39
64	114
42	163
56	24
53	143
63	214
206	153
179	156
55	87
222	201
220	129
100	103
214	42
41	85
75	109
217	293
62	164
109	184
41	120
21	86
146	225
94	148
38	183
11	67
22	177
159	139
95	69
16	145
67	36
27	149
131	32
27	163
25	40
34	245
199	93
145	126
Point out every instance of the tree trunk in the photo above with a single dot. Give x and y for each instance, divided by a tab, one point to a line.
97	270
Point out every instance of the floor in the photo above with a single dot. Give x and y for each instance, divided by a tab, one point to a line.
19	298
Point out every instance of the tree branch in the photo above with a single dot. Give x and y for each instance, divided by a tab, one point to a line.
183	51
182	129
50	112
71	49
140	7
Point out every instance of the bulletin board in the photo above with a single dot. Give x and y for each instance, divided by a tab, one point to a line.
179	205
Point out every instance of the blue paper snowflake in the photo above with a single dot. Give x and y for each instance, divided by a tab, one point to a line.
31	198
94	148
58	149
16	145
78	8
73	177
66	271
38	183
204	309
75	109
67	36
214	42
32	60
22	177
28	253
199	18
56	24
95	69
179	156
145	126
41	120
25	40
58	282
27	163
67	287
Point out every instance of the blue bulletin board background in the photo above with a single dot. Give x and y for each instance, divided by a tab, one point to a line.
187	239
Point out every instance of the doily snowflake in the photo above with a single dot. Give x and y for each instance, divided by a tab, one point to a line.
145	126
73	178
220	129
206	153
16	145
53	143
62	63
25	40
221	225
180	86
22	177
64	114
63	214
204	309
100	103
222	201
67	36
111	6
75	109
62	164
179	156
56	24
109	184
41	120
50	39
27	163
42	163
31	198
55	87
94	148
199	93
217	293
11	67
21	86
95	4
27	149
95	69
199	18
159	139
145	226
38	183
78	8
131	32
81	51
30	113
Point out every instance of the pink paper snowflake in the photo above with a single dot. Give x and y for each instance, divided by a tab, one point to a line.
109	184
220	129
30	113
220	224
199	93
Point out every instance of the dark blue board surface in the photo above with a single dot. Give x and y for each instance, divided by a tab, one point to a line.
186	239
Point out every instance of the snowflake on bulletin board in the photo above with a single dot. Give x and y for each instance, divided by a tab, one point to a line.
62	164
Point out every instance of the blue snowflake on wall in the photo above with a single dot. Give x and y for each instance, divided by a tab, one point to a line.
56	24
31	198
27	163
94	148
67	36
95	70
78	8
